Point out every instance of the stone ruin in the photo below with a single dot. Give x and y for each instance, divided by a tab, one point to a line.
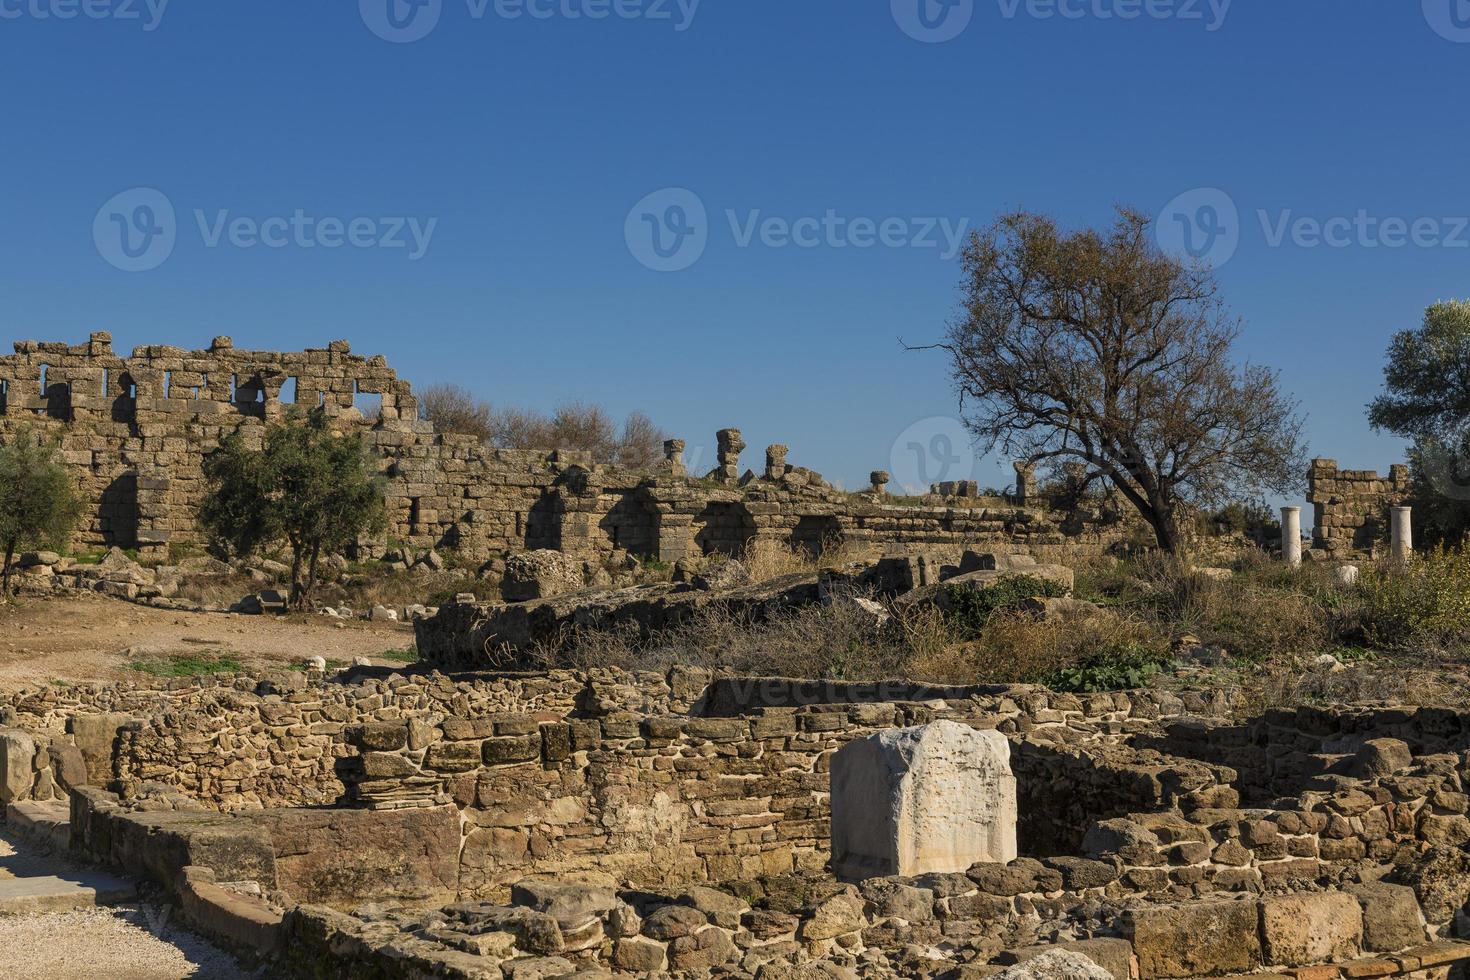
135	431
1352	509
606	823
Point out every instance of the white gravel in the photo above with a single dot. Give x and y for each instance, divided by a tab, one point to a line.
133	942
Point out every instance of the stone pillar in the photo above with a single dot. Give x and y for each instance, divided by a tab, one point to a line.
909	801
879	479
1025	481
776	461
1291	536
674	456
730	447
1402	534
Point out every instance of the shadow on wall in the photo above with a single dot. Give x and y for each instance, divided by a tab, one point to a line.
119	512
725	529
1061	792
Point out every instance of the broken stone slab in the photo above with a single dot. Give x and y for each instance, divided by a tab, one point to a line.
935	798
1113	956
571	903
1057	964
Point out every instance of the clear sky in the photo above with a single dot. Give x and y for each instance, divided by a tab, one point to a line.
502	154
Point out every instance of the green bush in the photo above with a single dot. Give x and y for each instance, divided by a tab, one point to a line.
969	608
1426	600
1114	669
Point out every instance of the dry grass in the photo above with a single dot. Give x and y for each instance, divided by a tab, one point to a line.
768	559
1018	648
1264	610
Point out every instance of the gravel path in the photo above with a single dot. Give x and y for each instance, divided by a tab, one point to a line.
122	943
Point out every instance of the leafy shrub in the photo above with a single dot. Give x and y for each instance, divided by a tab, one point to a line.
1424	601
970	608
1113	669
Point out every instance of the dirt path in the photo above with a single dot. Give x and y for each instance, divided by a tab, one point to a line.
94	638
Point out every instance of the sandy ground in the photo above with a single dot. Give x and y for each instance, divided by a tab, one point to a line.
94	638
126	942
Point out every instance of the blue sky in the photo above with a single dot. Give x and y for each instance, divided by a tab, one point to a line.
519	146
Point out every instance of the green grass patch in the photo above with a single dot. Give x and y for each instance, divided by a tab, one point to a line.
409	656
188	665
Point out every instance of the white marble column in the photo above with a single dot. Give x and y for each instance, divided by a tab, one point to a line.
1291	536
1403	534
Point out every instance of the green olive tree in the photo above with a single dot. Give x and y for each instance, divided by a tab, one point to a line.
39	503
308	486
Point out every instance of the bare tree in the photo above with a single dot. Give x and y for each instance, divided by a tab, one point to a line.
574	425
454	409
642	444
1100	348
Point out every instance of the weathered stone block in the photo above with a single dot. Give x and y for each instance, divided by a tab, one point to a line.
17	765
1391	917
1195	940
939	797
1299	930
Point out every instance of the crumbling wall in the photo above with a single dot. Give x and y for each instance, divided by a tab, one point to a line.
1351	507
136	430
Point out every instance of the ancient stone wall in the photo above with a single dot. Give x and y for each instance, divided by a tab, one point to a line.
605	771
1351	507
135	431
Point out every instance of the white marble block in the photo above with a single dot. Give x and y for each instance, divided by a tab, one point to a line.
909	801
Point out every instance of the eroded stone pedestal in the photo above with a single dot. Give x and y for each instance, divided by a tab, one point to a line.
939	797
